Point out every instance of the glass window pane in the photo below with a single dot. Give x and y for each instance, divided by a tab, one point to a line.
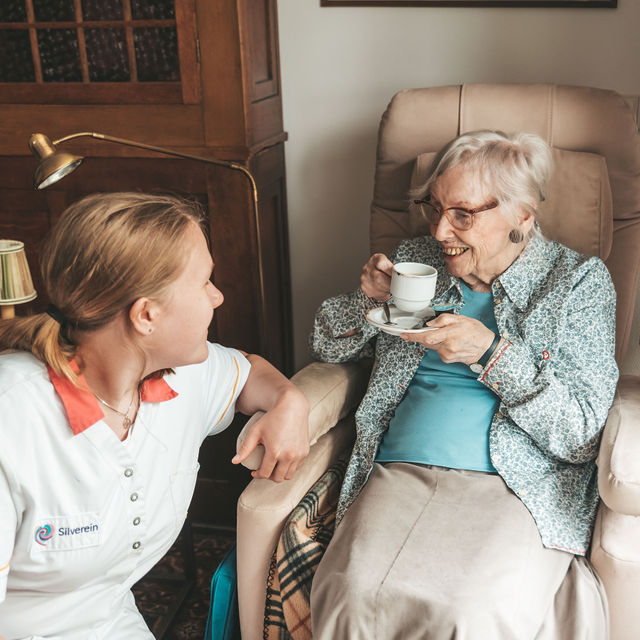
59	55
54	10
107	55
15	53
152	9
102	10
156	54
13	11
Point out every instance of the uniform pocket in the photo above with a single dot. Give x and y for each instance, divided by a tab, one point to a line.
183	482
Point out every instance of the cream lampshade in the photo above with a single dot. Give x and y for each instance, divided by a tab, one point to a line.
16	285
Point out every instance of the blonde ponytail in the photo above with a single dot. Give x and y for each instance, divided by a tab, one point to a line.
41	335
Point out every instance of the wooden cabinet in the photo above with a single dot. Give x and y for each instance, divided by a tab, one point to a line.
198	76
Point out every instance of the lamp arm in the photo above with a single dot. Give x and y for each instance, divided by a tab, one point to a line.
169	152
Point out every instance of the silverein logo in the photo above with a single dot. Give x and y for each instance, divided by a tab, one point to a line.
44	534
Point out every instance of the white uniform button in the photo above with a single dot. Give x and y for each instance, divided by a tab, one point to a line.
133	497
128	472
136	545
136	522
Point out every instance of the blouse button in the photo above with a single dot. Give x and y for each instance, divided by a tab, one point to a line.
136	545
128	472
495	385
136	521
133	497
499	415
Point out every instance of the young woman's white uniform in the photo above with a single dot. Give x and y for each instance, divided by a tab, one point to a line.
83	516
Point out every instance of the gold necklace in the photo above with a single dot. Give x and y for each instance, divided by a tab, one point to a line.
126	420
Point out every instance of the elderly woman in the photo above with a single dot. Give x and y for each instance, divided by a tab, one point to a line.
470	496
105	401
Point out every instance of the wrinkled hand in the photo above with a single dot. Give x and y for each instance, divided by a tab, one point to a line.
284	433
458	338
375	279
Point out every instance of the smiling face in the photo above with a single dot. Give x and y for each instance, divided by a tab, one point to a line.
186	311
479	254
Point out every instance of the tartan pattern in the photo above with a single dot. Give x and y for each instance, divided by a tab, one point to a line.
302	543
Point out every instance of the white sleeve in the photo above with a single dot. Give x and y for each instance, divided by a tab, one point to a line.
8	522
227	373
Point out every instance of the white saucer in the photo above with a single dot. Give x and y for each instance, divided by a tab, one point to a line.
406	321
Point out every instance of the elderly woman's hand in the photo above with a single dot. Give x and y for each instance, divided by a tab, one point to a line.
457	339
375	279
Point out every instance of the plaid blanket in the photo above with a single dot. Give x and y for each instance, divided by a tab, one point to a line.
304	538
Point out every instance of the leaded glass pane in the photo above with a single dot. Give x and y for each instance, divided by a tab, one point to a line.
157	54
59	56
13	11
152	9
102	10
107	55
15	53
54	10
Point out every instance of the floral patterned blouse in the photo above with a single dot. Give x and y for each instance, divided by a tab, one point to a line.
555	377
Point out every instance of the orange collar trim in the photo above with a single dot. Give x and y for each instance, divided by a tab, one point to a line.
81	405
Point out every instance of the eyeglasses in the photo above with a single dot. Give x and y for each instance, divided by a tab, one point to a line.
459	217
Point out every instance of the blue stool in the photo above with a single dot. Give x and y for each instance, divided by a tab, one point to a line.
223	622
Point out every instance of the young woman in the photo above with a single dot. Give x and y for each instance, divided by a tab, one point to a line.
105	400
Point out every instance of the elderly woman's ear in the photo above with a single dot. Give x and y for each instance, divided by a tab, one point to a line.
522	230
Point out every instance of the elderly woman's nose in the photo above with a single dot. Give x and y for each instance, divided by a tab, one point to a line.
442	229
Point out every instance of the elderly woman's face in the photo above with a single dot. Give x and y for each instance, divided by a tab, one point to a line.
481	253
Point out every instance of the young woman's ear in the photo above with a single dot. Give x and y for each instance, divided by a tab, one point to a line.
143	315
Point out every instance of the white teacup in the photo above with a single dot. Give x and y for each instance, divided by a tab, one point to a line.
413	285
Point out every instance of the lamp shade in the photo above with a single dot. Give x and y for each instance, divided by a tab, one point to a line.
16	285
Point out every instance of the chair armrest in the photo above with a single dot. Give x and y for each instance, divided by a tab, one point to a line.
619	457
262	509
332	391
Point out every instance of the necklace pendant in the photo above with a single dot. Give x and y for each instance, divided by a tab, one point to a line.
126	422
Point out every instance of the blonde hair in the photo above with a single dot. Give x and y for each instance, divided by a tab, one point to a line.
517	167
106	251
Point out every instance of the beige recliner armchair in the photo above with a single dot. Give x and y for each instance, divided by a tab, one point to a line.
593	206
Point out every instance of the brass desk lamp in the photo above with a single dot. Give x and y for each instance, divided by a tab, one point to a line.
16	285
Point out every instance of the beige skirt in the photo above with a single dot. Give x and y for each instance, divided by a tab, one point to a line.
435	553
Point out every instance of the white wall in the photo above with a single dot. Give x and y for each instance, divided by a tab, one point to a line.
340	67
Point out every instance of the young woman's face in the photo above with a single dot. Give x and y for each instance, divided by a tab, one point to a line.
187	309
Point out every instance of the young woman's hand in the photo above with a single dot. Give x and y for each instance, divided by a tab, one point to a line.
284	433
283	430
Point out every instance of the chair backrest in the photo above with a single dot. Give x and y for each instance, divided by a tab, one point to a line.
593	203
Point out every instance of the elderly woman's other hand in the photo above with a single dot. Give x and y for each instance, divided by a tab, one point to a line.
457	339
375	280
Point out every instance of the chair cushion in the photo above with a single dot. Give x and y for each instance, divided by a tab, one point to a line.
578	209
